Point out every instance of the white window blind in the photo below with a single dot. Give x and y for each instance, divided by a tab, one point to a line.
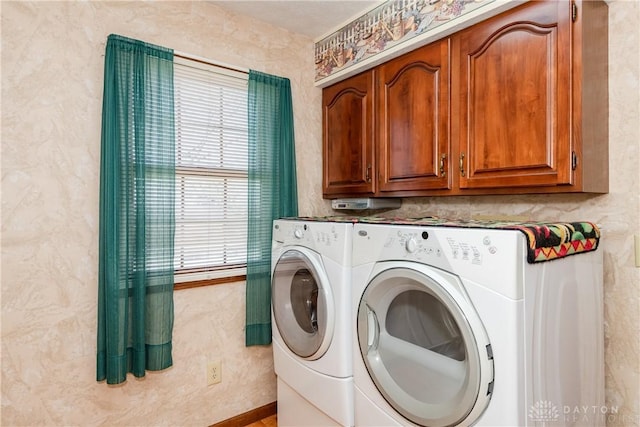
211	171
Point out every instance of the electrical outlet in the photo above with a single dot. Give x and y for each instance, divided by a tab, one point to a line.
214	372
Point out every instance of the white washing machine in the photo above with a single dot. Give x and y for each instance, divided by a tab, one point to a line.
454	327
311	303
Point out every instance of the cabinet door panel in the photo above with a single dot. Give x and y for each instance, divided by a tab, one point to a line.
348	137
413	108
515	111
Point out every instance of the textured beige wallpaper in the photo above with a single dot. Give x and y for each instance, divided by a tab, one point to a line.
52	65
52	76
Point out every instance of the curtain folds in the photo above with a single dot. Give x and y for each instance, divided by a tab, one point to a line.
272	191
137	203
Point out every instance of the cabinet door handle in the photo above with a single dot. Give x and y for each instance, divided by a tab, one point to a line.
368	175
462	164
443	157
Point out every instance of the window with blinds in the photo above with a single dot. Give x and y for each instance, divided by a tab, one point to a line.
211	171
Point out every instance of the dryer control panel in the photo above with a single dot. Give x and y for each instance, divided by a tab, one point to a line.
488	257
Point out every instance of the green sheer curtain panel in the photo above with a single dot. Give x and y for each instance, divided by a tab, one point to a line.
137	204
272	191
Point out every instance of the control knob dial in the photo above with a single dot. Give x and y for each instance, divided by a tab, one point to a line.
411	245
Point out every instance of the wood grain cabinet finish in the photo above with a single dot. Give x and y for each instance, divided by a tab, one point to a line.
385	131
347	116
515	104
413	121
532	112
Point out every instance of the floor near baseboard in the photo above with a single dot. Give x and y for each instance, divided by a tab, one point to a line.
271	421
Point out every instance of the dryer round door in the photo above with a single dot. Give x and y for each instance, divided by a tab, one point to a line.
302	303
424	345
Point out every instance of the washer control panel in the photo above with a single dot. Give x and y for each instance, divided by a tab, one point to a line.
329	238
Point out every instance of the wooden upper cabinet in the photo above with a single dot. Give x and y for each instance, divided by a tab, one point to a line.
413	113
348	121
515	104
518	123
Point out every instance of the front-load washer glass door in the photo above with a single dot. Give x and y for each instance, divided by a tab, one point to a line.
424	346
302	303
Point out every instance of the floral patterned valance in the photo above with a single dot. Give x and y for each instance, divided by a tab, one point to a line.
396	25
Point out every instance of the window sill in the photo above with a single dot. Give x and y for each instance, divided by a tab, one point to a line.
208	282
197	279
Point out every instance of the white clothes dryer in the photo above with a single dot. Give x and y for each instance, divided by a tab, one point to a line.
452	326
311	302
